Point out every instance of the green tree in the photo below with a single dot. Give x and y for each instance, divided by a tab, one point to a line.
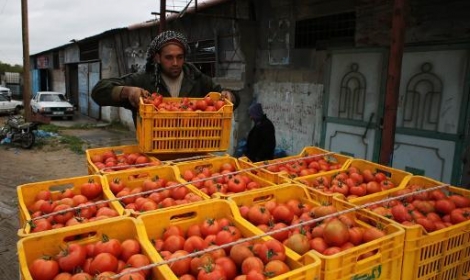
5	67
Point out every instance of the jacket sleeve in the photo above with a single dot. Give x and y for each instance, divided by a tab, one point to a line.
107	91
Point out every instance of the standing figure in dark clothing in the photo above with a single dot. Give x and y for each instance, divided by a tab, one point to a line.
261	140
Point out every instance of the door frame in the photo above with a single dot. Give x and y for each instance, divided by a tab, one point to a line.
381	98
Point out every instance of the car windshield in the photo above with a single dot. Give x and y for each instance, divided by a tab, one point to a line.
52	97
3	98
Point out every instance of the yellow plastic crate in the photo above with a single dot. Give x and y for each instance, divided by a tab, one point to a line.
442	254
384	264
279	177
135	178
397	176
307	267
215	164
118	150
27	193
122	228
184	132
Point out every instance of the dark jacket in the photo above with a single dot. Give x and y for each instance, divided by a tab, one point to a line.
195	84
261	141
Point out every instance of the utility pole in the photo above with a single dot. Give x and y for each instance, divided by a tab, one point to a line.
393	82
162	26
26	64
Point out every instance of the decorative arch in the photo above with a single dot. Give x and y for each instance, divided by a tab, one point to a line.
352	94
423	97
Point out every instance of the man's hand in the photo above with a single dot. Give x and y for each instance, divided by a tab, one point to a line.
228	95
133	94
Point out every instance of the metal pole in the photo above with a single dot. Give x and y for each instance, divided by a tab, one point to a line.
26	64
393	82
162	16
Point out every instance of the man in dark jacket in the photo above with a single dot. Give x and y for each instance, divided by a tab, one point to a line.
261	140
166	72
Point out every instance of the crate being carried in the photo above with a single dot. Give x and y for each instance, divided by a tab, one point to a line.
436	224
185	129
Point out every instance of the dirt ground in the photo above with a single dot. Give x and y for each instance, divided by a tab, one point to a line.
41	163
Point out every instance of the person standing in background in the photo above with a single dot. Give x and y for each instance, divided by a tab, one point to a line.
261	141
166	72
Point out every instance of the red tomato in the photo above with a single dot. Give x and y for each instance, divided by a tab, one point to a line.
459	215
195	243
236	184
139	260
239	252
63	276
81	276
116	185
272	250
182	266
252	263
91	189
210	226
228	266
298	243
372	233
373	187
44	269
444	206
72	257
275	268
460	201
129	247
400	213
282	213
103	262
318	244
173	230
106	245
258	214
174	243
359	190
335	233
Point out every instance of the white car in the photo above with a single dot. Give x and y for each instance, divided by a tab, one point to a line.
9	106
52	104
5	92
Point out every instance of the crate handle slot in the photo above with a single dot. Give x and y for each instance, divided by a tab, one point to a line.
61	187
138	176
199	168
183	216
81	236
363	263
263	199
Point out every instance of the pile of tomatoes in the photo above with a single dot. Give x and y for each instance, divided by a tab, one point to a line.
109	161
433	210
100	260
200	177
258	259
185	104
351	183
87	198
151	194
304	166
330	236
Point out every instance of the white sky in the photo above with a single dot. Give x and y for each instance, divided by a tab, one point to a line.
54	23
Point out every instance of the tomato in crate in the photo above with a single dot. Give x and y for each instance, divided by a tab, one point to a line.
219	177
312	160
142	190
81	199
217	238
112	159
359	178
348	247
436	220
106	248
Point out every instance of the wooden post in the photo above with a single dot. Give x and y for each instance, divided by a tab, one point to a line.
393	83
162	26
26	64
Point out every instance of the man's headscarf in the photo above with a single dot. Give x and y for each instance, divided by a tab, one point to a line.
163	39
256	111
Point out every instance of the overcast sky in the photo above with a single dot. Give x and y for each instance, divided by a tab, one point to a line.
54	23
